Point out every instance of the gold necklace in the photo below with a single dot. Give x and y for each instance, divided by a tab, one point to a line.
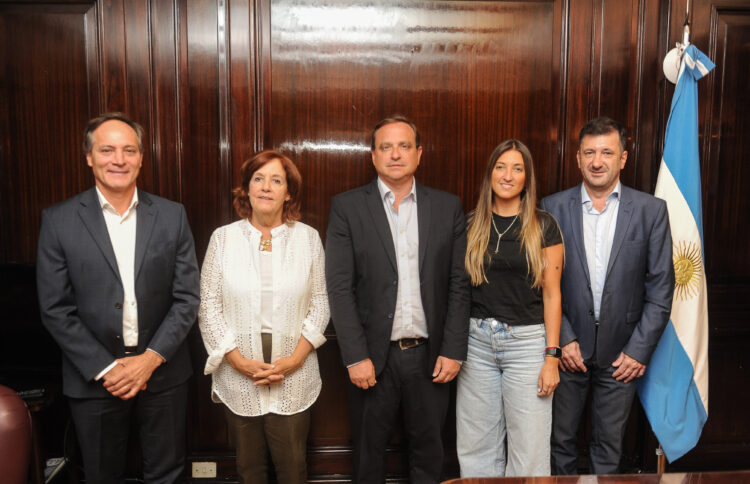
499	235
265	245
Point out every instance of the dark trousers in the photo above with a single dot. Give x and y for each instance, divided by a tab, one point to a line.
284	436
403	383
610	406
103	427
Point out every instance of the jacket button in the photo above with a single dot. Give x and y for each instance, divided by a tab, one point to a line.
118	306
591	312
390	315
395	283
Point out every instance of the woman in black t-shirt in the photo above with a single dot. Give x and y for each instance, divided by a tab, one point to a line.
514	258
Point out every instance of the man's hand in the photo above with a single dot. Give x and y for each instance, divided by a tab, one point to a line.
363	374
131	374
571	358
445	370
628	369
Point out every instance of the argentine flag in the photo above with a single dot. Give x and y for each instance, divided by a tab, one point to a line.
674	389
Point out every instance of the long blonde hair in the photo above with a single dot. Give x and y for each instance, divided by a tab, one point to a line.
480	220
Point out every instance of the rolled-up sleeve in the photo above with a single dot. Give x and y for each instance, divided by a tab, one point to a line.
318	313
218	337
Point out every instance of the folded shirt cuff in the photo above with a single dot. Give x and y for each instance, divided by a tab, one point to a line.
315	337
216	356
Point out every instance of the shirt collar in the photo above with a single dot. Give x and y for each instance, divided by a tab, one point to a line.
386	192
586	199
106	205
280	231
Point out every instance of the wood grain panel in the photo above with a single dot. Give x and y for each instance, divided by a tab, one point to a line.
45	98
468	73
614	71
166	152
204	185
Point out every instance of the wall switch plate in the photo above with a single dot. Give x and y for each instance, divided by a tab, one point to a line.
204	469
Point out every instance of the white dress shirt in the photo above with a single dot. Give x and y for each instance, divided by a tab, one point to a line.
230	314
121	230
408	319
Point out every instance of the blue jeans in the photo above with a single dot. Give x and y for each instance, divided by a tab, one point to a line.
497	398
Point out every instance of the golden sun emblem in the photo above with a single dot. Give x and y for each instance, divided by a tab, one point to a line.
688	269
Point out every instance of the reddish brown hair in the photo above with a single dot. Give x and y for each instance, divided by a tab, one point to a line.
293	185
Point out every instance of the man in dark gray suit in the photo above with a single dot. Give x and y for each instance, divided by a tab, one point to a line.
399	298
119	290
617	288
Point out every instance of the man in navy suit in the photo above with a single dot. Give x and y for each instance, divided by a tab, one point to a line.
617	288
399	298
119	290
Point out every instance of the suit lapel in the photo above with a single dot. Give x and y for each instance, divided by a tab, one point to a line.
624	214
424	209
575	212
380	221
143	229
93	219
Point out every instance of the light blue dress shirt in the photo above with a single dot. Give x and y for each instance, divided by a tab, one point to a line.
598	236
408	319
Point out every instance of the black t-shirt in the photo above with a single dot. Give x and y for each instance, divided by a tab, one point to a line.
508	296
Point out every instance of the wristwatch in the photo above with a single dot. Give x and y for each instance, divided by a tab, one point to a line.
553	351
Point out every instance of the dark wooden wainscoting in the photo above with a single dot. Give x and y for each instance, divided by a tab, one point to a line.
212	81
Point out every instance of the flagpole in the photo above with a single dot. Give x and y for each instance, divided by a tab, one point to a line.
661	460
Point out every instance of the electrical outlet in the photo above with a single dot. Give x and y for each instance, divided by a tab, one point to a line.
204	469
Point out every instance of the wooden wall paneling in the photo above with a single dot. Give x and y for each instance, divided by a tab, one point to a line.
242	60
464	71
204	182
166	153
113	56
647	136
45	95
614	68
581	83
139	96
726	146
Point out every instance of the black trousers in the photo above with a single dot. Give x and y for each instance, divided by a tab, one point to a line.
404	383
610	407
103	427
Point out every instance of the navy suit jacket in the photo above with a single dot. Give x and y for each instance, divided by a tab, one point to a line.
362	274
637	294
81	294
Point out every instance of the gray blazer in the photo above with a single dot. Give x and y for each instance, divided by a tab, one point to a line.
637	294
362	275
81	294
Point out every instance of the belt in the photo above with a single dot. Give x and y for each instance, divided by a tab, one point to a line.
131	349
409	343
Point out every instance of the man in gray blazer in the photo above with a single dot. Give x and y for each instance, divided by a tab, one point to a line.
399	298
617	288
119	291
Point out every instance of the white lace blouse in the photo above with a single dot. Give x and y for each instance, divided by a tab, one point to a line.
229	315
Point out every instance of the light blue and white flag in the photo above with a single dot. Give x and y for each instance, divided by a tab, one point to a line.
674	390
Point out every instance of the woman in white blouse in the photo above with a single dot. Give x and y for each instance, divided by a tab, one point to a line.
263	312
